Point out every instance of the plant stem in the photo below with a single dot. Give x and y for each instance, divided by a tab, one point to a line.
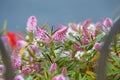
115	44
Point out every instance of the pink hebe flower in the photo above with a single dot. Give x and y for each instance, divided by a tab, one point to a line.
85	31
93	35
86	23
34	48
17	64
86	40
31	24
107	23
19	77
16	59
21	43
60	34
2	69
35	67
2	79
42	35
26	70
74	27
97	46
53	67
98	25
77	47
64	71
59	77
85	34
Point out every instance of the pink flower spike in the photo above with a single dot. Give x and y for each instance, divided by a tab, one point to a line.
34	48
97	46
2	69
77	47
35	67
31	24
21	43
93	35
26	71
107	23
86	23
98	25
64	71
2	79
59	77
53	67
60	34
86	40
19	77
17	65
16	59
74	28
42	35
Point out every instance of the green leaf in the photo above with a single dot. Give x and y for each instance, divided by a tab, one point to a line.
48	28
111	69
22	50
70	72
87	77
115	59
40	76
92	74
80	77
4	28
117	77
31	36
28	77
99	38
94	58
31	54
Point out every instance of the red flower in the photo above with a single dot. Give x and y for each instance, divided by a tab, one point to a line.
12	39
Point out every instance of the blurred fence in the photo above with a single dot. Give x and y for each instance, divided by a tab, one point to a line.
105	49
5	54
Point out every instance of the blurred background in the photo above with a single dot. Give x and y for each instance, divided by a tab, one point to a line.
16	12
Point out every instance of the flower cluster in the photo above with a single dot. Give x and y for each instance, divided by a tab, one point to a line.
67	53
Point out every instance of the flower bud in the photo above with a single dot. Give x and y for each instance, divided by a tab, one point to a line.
77	47
53	67
59	77
107	23
2	69
98	25
19	77
26	70
31	24
21	43
64	71
97	46
2	79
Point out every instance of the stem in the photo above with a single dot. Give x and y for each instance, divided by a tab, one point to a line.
115	44
49	58
51	50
